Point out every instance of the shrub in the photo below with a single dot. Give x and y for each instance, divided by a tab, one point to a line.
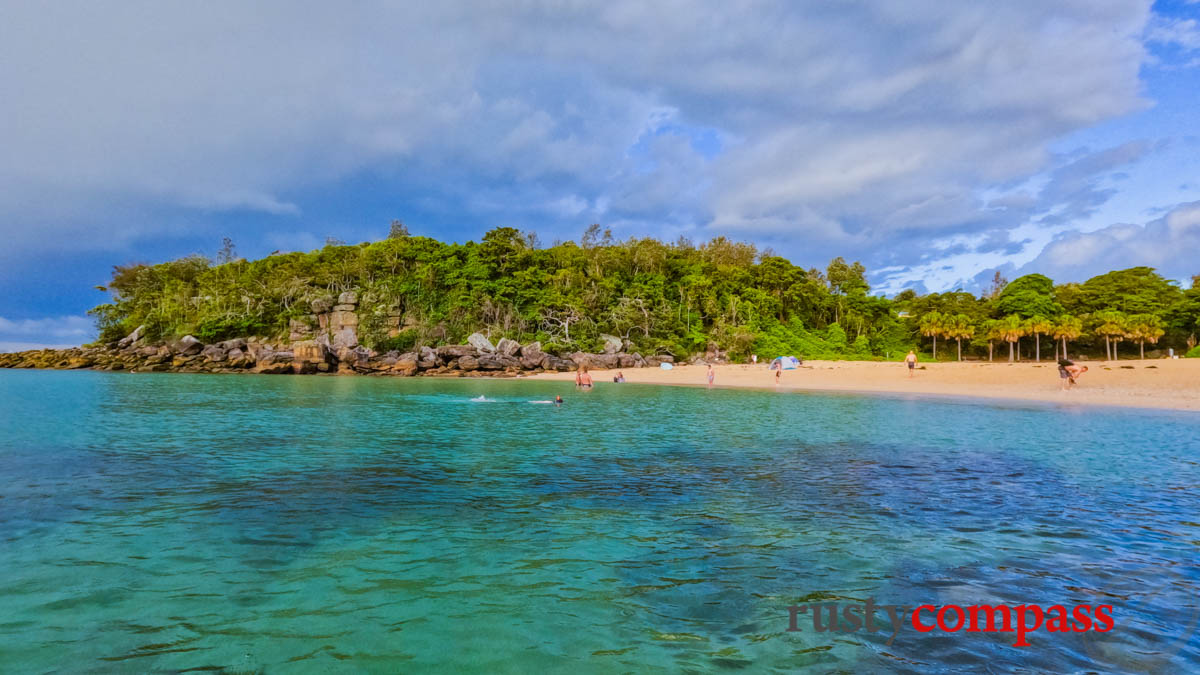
1194	353
404	342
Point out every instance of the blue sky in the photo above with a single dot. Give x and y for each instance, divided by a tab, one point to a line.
935	142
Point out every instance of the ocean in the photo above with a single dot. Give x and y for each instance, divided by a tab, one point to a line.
176	523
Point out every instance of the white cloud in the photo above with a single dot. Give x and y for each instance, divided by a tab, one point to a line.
1168	244
54	332
850	128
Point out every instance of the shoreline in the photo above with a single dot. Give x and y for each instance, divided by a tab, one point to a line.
1159	384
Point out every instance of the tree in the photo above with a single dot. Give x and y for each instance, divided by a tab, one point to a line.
1110	325
958	327
1137	290
398	230
228	252
1011	329
1037	325
1145	328
1067	327
932	325
1028	296
991	332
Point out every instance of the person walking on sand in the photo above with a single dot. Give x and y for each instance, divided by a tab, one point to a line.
911	360
712	374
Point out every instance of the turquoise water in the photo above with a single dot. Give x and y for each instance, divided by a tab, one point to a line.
169	523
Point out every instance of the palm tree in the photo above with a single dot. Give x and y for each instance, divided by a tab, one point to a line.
932	325
1145	328
991	332
959	327
1011	329
1067	327
1037	325
1111	326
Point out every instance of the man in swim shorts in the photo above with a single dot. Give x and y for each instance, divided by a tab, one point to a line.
911	360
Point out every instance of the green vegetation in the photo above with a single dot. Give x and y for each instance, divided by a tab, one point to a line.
675	298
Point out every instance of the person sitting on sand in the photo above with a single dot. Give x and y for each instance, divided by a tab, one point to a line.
619	377
911	360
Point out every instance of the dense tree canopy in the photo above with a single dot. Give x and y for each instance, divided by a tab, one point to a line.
678	298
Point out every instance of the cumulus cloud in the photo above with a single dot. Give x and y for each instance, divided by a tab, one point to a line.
1168	244
855	128
56	332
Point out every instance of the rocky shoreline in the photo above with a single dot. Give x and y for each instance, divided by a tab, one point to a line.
327	342
506	359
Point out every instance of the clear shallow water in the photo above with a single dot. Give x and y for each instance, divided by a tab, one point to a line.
323	524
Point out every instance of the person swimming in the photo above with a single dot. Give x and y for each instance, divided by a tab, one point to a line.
619	377
558	401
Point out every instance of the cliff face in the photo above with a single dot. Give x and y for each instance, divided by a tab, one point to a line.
327	342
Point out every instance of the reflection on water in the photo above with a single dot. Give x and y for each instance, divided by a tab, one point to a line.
241	523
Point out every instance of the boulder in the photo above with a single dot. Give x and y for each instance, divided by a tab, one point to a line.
468	363
496	362
508	347
348	298
627	361
149	350
343	308
346	338
214	353
236	343
447	352
406	366
479	341
339	319
188	346
132	337
275	368
532	356
612	343
321	305
312	351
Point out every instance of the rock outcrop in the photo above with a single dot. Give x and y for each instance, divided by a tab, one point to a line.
330	345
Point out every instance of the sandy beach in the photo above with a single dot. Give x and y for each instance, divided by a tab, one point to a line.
1168	384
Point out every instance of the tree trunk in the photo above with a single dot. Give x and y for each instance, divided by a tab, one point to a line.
1142	349
1037	340
959	349
1107	350
935	346
990	345
1064	347
1010	350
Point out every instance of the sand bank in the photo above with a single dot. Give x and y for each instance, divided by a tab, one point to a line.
1169	384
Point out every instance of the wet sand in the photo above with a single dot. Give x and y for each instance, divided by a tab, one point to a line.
1160	383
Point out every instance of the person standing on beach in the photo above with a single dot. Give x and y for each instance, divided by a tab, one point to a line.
911	360
583	379
754	359
711	375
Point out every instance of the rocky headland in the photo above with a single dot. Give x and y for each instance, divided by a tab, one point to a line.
326	341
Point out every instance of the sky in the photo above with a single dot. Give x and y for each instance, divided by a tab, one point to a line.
935	142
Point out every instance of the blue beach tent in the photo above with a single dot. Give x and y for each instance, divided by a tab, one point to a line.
785	363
